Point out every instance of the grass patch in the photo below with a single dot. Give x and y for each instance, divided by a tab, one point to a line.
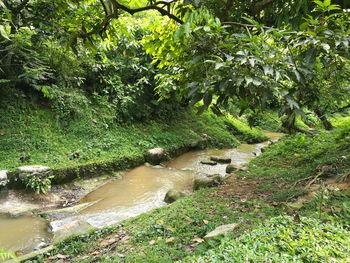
284	240
300	156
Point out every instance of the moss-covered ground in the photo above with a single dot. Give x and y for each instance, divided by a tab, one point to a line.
260	200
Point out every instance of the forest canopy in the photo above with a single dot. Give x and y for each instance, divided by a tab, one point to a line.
289	56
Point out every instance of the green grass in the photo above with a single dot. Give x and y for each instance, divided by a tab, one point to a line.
300	156
28	127
284	240
174	232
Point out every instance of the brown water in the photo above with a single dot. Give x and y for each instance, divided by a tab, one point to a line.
140	190
22	233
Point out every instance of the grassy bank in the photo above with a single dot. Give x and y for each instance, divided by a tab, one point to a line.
259	200
91	141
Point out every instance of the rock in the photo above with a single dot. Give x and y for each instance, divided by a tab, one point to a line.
200	143
156	156
33	170
3	178
208	162
231	168
173	195
65	212
76	227
221	231
271	142
220	159
206	181
243	168
41	245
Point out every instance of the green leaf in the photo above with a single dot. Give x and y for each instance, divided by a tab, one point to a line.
3	32
219	65
206	28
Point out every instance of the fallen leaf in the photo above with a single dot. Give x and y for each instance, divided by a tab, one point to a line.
104	243
198	240
205	221
152	242
60	256
169	240
125	239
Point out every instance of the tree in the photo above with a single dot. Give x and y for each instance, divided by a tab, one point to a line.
255	66
245	54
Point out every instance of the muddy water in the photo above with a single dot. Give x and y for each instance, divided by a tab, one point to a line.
240	157
140	190
19	230
22	233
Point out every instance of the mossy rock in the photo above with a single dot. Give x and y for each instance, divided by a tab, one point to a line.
173	195
156	156
209	162
231	168
76	227
207	181
220	159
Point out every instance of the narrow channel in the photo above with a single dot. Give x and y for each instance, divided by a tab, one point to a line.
139	190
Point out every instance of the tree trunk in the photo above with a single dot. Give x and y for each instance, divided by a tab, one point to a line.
326	123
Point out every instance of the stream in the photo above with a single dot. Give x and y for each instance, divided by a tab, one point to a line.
139	190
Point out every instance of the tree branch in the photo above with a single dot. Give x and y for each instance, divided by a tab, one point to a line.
154	6
118	6
104	7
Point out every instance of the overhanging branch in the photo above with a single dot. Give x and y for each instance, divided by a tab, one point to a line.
163	7
155	6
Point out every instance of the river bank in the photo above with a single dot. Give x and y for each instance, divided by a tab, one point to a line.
50	142
270	187
32	133
113	200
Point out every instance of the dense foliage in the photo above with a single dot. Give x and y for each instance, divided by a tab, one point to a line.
258	67
291	57
44	53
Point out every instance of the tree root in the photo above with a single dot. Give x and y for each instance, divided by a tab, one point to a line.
311	179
